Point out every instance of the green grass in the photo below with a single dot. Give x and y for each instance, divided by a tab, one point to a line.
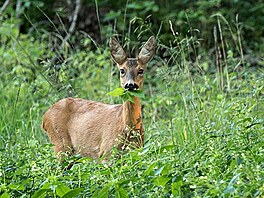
202	139
200	142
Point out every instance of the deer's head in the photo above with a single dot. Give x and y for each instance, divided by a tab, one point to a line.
132	69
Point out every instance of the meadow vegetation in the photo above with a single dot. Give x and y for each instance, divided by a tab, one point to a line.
203	109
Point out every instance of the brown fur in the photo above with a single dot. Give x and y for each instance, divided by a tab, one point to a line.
92	128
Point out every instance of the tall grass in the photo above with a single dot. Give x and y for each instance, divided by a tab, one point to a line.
204	128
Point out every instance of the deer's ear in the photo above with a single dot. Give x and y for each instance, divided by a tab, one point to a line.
117	52
147	51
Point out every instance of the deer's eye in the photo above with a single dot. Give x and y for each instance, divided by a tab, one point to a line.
140	72
122	71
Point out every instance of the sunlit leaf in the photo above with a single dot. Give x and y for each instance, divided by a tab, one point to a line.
117	92
72	193
120	192
40	193
161	181
5	195
62	189
175	187
150	168
16	186
127	95
138	93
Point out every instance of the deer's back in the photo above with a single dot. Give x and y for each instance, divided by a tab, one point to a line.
89	127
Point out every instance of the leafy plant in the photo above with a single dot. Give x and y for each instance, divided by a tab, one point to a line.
203	128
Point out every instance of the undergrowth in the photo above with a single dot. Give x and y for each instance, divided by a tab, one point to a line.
203	125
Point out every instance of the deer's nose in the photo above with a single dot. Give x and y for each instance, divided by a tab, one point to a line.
131	86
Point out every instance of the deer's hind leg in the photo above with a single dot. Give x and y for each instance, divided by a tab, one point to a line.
62	142
59	136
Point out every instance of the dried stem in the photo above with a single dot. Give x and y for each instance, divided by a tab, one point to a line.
4	5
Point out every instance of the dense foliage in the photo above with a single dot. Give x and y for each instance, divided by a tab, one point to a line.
203	106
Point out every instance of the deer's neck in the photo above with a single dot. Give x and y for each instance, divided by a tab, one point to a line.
132	114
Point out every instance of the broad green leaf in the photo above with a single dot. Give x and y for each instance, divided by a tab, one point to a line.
126	94
103	192
46	185
117	92
16	186
138	93
164	170
167	147
120	192
128	97
5	195
62	189
175	187
161	181
40	193
149	170
72	193
20	170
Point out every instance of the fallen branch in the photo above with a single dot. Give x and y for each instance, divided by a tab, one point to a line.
74	19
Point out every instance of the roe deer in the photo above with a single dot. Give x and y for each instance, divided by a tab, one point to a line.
92	128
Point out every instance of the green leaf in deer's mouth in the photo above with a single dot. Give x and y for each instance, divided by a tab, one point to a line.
117	92
126	94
